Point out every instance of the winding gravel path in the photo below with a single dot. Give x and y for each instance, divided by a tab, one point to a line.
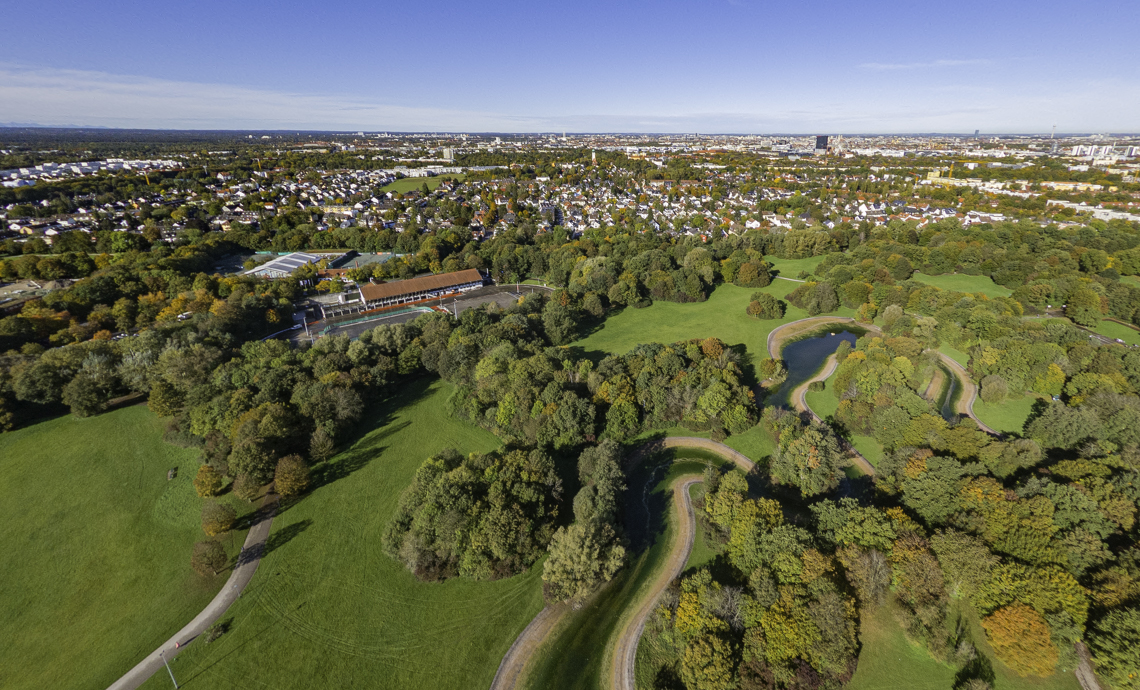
969	393
242	573
514	663
799	401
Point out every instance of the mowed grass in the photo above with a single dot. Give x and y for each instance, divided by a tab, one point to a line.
722	316
1118	331
329	609
824	403
578	653
96	571
960	282
888	660
1008	415
703	550
790	268
956	355
409	184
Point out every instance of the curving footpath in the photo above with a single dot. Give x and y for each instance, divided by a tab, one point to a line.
799	401
247	564
969	393
535	634
625	654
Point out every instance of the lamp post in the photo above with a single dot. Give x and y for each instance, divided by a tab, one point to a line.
172	680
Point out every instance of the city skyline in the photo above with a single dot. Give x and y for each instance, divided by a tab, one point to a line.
667	67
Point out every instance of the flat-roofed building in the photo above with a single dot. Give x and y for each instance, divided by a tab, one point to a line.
416	289
283	266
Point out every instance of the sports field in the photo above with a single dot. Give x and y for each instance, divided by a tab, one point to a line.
408	184
96	571
329	609
960	282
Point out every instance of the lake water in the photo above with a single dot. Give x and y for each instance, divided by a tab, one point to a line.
804	358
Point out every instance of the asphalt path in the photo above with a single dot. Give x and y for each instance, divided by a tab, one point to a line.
513	665
242	573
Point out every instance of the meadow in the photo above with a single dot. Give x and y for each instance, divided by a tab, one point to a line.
328	608
1006	416
97	546
960	282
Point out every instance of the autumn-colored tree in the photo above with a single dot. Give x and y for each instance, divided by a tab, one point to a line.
292	476
1020	636
164	400
217	518
707	664
208	557
246	487
208	481
1115	641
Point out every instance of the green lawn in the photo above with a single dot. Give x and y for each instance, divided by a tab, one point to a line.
722	316
960	282
329	609
790	268
956	355
576	655
1009	415
704	551
408	184
96	544
1111	329
824	403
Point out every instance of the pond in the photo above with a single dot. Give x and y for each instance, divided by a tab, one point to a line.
804	358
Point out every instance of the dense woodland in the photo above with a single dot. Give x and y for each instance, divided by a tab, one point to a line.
1035	532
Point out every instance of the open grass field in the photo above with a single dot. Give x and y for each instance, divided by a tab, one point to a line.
960	282
329	609
1111	329
790	268
577	653
721	316
1008	415
96	542
956	355
408	184
704	552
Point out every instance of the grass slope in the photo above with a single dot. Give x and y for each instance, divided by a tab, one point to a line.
1009	415
97	548
888	660
577	653
329	609
960	282
1111	329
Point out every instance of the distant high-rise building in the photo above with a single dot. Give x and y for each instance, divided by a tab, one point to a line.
821	143
976	132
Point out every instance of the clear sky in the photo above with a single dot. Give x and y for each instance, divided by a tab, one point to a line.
744	66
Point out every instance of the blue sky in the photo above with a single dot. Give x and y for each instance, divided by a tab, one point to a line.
662	66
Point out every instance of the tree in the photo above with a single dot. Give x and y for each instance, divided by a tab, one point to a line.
292	476
994	389
321	446
208	481
582	557
765	306
208	557
1115	640
246	487
811	462
84	396
1020	636
164	399
707	664
217	518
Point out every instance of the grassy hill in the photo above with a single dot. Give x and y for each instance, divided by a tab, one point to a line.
329	609
96	544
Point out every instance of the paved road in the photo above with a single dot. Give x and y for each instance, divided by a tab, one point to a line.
239	578
535	634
